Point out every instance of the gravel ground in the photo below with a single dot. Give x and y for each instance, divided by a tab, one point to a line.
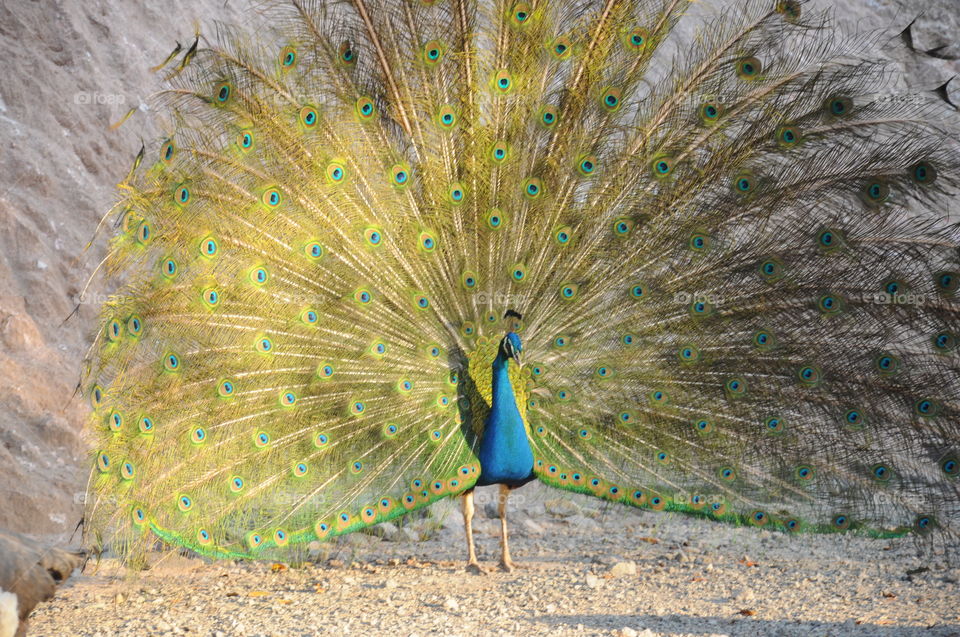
586	569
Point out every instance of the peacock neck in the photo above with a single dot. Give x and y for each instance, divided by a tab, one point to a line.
505	454
504	402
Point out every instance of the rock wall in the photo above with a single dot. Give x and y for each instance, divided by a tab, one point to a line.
67	71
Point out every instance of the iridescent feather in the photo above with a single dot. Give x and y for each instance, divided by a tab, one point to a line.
737	281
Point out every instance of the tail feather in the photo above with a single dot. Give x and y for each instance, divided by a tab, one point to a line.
737	280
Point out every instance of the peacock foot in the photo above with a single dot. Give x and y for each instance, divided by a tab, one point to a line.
475	568
508	566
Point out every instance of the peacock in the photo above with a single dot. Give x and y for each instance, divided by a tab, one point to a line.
385	252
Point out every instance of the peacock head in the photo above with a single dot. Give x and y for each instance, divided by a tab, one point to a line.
510	346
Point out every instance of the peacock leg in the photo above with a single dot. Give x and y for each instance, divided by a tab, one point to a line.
472	564
505	562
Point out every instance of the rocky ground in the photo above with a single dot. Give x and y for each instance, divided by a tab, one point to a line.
586	570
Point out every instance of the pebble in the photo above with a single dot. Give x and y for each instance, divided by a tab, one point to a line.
561	507
583	523
532	528
621	569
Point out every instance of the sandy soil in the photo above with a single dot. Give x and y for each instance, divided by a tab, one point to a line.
586	569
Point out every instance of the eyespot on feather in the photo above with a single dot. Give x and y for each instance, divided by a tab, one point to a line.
561	47
433	52
288	57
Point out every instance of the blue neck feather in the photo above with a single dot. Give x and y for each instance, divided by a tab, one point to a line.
505	455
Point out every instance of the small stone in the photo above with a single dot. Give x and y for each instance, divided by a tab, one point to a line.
561	507
389	532
453	522
483	526
583	523
626	631
532	528
593	581
408	535
607	559
360	540
621	569
19	332
451	604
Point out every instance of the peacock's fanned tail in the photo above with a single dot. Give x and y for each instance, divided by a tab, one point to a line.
738	283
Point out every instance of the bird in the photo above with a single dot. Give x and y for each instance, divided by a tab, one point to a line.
401	249
29	575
